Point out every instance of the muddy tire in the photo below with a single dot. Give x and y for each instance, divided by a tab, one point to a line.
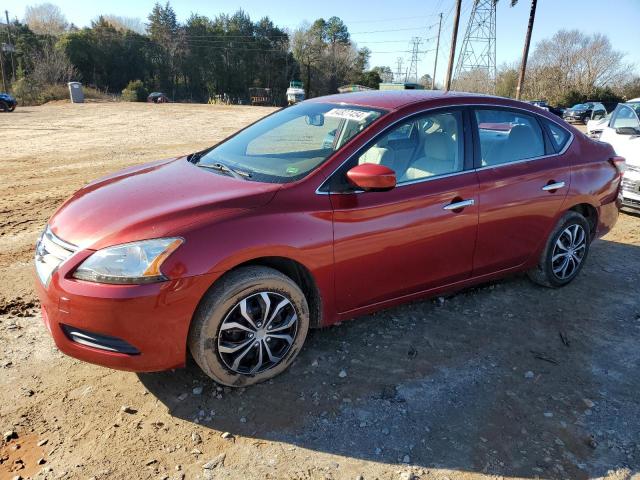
249	327
565	252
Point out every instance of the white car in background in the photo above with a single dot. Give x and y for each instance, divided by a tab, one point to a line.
623	134
596	125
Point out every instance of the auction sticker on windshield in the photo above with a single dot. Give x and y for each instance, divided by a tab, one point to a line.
348	114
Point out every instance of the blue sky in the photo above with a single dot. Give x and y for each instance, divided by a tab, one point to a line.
386	27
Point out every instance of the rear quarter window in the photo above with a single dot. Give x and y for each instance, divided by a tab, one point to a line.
559	136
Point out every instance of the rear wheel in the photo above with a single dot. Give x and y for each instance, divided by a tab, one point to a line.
565	252
250	326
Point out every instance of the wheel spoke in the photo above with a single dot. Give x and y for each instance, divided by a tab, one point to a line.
258	365
288	324
272	358
557	256
238	359
277	310
286	338
234	325
562	266
267	306
224	348
560	245
245	314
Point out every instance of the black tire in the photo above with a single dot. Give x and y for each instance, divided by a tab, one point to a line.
4	107
222	301
545	273
12	107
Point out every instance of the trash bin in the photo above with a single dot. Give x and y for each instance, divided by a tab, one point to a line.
75	92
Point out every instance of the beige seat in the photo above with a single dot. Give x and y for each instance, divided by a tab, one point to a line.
379	154
440	157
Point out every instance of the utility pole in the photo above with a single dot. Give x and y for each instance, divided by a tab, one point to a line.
525	52
4	78
452	52
435	62
11	47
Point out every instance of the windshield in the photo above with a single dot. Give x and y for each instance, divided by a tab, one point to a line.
635	106
289	144
580	106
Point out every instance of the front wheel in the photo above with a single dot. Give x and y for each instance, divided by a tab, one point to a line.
565	252
249	327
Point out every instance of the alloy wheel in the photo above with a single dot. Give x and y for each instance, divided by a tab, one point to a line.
257	333
569	251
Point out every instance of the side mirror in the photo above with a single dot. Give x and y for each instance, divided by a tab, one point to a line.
627	131
372	177
316	120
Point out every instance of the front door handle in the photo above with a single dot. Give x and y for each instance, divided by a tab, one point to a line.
459	205
553	186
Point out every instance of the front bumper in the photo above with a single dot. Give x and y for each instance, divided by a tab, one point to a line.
630	191
154	319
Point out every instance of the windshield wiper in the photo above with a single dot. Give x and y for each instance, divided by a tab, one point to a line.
221	167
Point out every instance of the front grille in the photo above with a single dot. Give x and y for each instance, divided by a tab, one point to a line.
51	252
629	185
96	340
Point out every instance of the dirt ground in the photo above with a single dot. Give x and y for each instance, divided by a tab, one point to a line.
507	380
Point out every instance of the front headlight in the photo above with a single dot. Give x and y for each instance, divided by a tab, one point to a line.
129	263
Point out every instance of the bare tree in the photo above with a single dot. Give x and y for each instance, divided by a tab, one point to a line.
572	60
123	24
51	66
45	19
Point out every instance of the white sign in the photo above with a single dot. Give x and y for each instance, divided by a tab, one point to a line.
348	114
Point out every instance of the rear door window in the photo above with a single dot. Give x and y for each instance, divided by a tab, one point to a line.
507	136
559	136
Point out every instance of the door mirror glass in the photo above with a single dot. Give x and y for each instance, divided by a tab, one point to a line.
372	177
316	120
627	131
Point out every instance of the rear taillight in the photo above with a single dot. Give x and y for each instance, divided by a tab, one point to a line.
619	163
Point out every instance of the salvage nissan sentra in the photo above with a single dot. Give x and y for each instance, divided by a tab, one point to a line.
326	210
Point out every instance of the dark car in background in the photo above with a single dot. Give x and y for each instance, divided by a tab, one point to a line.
157	97
583	112
545	106
7	103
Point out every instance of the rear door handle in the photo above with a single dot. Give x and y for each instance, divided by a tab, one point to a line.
459	205
553	186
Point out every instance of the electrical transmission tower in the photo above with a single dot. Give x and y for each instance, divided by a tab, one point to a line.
477	60
398	76
412	71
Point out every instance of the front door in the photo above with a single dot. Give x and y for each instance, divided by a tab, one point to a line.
417	236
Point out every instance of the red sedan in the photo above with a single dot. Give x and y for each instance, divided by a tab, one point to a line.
323	211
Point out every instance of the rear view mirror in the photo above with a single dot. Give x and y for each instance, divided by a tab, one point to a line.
372	177
627	131
316	120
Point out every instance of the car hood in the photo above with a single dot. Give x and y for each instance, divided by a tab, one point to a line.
151	201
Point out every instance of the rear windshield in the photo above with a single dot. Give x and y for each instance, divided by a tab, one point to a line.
289	144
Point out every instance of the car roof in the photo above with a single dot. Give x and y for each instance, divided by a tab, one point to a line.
395	99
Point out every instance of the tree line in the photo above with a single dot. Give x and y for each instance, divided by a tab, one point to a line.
191	61
229	54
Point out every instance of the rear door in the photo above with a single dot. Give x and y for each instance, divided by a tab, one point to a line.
523	181
413	237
